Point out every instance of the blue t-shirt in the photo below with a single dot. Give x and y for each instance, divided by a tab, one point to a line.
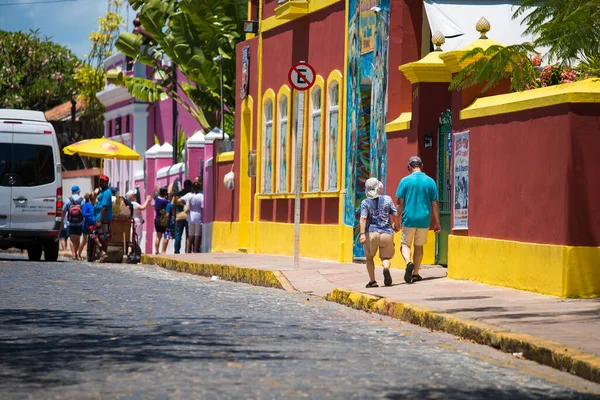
160	204
88	213
418	191
377	212
104	199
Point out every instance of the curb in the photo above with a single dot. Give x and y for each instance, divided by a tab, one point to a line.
545	352
252	276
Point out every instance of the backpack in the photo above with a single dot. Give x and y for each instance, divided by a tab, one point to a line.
75	212
164	218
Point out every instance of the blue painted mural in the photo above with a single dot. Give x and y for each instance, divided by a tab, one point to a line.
366	107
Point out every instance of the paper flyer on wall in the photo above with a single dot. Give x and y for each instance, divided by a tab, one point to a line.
461	180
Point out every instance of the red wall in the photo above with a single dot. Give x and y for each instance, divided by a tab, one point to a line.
226	208
534	176
406	18
312	211
302	40
430	100
401	145
269	7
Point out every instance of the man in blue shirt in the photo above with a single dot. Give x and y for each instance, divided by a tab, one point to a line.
103	215
378	221
417	197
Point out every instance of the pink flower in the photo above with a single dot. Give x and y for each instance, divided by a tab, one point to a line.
537	60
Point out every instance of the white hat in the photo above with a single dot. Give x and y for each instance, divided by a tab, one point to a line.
130	193
373	188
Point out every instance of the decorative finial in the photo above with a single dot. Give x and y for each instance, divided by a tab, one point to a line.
438	40
483	27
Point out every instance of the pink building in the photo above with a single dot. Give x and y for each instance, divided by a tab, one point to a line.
135	123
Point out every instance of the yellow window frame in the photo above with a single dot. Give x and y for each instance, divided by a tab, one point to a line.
319	84
284	92
269	95
334	77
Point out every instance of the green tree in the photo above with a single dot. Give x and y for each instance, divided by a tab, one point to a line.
190	33
35	73
569	29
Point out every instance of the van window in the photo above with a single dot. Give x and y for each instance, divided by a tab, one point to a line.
26	165
5	159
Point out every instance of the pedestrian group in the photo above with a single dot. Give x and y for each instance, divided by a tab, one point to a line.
416	206
87	220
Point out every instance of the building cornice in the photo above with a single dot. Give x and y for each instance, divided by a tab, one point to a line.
587	91
137	109
112	95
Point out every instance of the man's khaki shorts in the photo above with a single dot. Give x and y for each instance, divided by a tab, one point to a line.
384	242
418	235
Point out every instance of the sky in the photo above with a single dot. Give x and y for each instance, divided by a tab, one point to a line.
68	23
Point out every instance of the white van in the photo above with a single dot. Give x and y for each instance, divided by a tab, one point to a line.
30	184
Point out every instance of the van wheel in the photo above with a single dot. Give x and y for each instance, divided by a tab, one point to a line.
34	252
51	251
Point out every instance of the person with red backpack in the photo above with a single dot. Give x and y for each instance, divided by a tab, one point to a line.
73	213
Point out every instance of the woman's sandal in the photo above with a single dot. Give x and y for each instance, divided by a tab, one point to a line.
372	284
102	258
416	278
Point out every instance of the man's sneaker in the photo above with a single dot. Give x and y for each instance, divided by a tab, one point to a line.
387	277
410	267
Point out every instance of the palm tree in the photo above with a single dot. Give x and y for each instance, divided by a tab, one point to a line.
189	33
569	29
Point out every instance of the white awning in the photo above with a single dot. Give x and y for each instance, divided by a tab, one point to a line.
458	18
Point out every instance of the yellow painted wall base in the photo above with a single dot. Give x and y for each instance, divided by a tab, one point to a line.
316	241
225	237
565	271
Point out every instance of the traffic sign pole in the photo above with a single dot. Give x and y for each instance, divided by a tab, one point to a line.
298	179
301	77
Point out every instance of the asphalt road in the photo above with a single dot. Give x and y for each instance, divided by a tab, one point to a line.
73	330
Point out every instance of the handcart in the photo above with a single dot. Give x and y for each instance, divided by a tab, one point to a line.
123	240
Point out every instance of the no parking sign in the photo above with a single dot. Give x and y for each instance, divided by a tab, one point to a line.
302	76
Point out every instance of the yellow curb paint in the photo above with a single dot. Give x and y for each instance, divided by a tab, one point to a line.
252	276
285	283
543	351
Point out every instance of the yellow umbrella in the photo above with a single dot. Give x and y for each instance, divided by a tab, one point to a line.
102	148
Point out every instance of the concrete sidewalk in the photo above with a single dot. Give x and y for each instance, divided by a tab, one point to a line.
555	331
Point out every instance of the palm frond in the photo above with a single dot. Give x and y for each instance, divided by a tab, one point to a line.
488	67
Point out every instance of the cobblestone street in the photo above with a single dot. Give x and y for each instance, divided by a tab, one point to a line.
77	330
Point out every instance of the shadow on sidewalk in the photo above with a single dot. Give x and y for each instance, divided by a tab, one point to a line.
400	281
589	315
451	392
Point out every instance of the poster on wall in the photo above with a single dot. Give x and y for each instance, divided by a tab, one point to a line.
368	20
461	181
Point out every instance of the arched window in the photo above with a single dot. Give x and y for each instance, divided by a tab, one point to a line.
314	142
282	145
333	95
267	156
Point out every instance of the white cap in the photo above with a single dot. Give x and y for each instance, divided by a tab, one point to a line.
373	188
